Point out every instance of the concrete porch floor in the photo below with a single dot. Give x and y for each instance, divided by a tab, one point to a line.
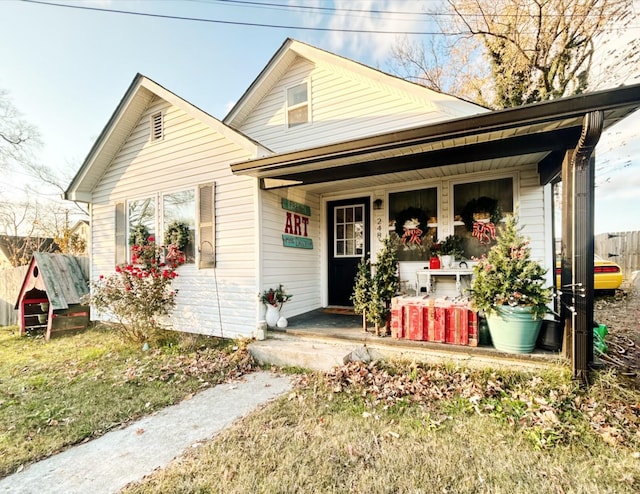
322	339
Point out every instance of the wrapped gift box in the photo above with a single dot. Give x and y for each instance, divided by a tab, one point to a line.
457	325
436	320
397	318
415	327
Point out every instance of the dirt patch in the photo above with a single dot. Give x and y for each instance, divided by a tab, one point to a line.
620	312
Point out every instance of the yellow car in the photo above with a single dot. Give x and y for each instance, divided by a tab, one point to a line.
607	275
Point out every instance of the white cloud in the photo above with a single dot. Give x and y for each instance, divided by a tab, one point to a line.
407	16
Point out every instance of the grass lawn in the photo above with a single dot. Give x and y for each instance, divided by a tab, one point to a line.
377	428
74	388
412	430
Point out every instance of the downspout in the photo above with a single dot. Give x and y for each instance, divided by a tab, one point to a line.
583	171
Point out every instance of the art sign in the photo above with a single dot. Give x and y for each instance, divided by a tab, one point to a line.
296	234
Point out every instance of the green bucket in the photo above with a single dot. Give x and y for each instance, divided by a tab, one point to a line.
514	329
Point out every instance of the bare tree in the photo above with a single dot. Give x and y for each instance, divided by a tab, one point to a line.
22	235
534	50
17	136
430	63
18	142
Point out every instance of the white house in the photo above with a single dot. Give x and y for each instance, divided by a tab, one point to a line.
319	160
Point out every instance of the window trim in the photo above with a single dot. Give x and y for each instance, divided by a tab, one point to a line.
122	237
288	108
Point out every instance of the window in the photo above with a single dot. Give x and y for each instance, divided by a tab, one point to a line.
413	216
171	217
179	221
349	231
298	105
157	128
141	220
478	207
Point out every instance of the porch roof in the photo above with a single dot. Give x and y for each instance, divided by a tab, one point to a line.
536	133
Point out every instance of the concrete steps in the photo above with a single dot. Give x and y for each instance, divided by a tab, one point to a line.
323	353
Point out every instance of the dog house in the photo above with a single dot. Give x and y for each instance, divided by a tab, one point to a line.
52	295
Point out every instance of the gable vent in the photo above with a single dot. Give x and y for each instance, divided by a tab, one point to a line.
156	126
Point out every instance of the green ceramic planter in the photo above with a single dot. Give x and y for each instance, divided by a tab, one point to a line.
513	329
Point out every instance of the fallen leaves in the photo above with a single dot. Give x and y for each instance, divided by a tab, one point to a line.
201	364
548	413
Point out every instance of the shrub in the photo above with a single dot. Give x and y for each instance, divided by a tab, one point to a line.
139	294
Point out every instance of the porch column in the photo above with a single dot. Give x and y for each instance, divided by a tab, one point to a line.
577	256
567	304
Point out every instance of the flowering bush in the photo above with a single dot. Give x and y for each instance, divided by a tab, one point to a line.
276	297
139	293
508	276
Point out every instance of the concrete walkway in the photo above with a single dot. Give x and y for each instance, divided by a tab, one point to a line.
108	463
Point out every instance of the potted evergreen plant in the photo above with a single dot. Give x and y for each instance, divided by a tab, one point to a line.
509	287
449	249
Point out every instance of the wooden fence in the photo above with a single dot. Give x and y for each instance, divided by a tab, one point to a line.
10	283
621	247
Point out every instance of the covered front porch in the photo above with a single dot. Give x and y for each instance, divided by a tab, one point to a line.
532	147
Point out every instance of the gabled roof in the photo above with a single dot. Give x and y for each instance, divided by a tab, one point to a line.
123	120
61	277
291	49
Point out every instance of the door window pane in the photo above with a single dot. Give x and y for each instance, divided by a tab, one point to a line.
349	230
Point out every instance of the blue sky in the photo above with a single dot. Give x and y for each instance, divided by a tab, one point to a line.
66	69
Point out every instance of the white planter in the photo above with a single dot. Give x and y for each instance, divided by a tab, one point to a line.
446	261
272	316
282	323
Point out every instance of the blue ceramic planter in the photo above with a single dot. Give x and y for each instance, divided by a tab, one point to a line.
513	329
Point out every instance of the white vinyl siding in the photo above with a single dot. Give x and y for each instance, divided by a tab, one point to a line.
344	105
190	154
299	270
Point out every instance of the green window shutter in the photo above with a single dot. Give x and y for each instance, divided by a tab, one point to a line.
121	234
206	226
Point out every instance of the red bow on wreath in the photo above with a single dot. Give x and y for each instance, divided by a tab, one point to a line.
413	235
484	232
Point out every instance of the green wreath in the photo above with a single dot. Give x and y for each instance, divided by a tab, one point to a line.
483	204
139	235
410	213
178	234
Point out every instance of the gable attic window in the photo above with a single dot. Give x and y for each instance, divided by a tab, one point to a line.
157	127
298	105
